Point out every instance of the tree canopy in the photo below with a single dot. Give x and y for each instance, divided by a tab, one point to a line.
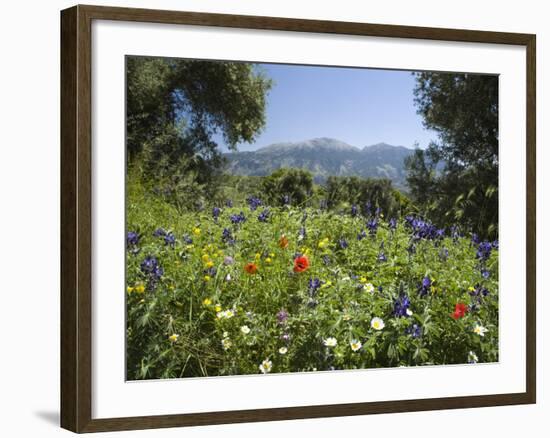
456	178
178	110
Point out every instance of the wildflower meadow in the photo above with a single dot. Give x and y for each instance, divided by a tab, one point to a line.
271	229
247	288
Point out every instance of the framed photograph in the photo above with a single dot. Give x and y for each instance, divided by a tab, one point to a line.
268	218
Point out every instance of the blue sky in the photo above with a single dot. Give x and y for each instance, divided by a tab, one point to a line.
358	106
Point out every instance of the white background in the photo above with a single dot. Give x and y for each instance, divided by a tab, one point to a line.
29	186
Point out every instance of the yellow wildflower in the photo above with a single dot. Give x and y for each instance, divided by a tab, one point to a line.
218	308
209	264
268	260
129	289
205	258
174	337
140	288
207	302
207	278
197	231
323	243
257	256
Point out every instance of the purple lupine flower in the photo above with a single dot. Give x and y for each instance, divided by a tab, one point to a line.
132	238
401	306
282	316
286	200
187	239
237	218
285	337
484	251
422	229
424	286
475	239
152	270
392	223
382	257
372	225
362	235
228	203
148	264
216	213
414	330
485	273
354	210
479	291
326	260
227	237
264	215
159	232
170	239
253	202
377	211
343	243
313	286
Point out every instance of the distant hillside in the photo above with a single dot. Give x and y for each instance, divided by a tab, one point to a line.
324	157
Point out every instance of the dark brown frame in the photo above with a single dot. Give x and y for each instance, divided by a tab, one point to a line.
76	236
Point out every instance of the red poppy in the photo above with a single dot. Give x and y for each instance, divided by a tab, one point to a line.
460	311
283	242
301	264
251	268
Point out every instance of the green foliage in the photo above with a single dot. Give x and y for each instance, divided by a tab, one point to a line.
378	192
296	184
456	178
227	321
176	107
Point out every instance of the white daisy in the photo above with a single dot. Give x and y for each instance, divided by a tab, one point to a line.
265	366
369	287
283	350
355	345
377	323
409	312
245	329
330	342
480	330
225	314
226	343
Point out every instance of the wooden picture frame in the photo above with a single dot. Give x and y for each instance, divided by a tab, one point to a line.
76	218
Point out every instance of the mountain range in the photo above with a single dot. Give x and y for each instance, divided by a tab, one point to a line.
324	157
